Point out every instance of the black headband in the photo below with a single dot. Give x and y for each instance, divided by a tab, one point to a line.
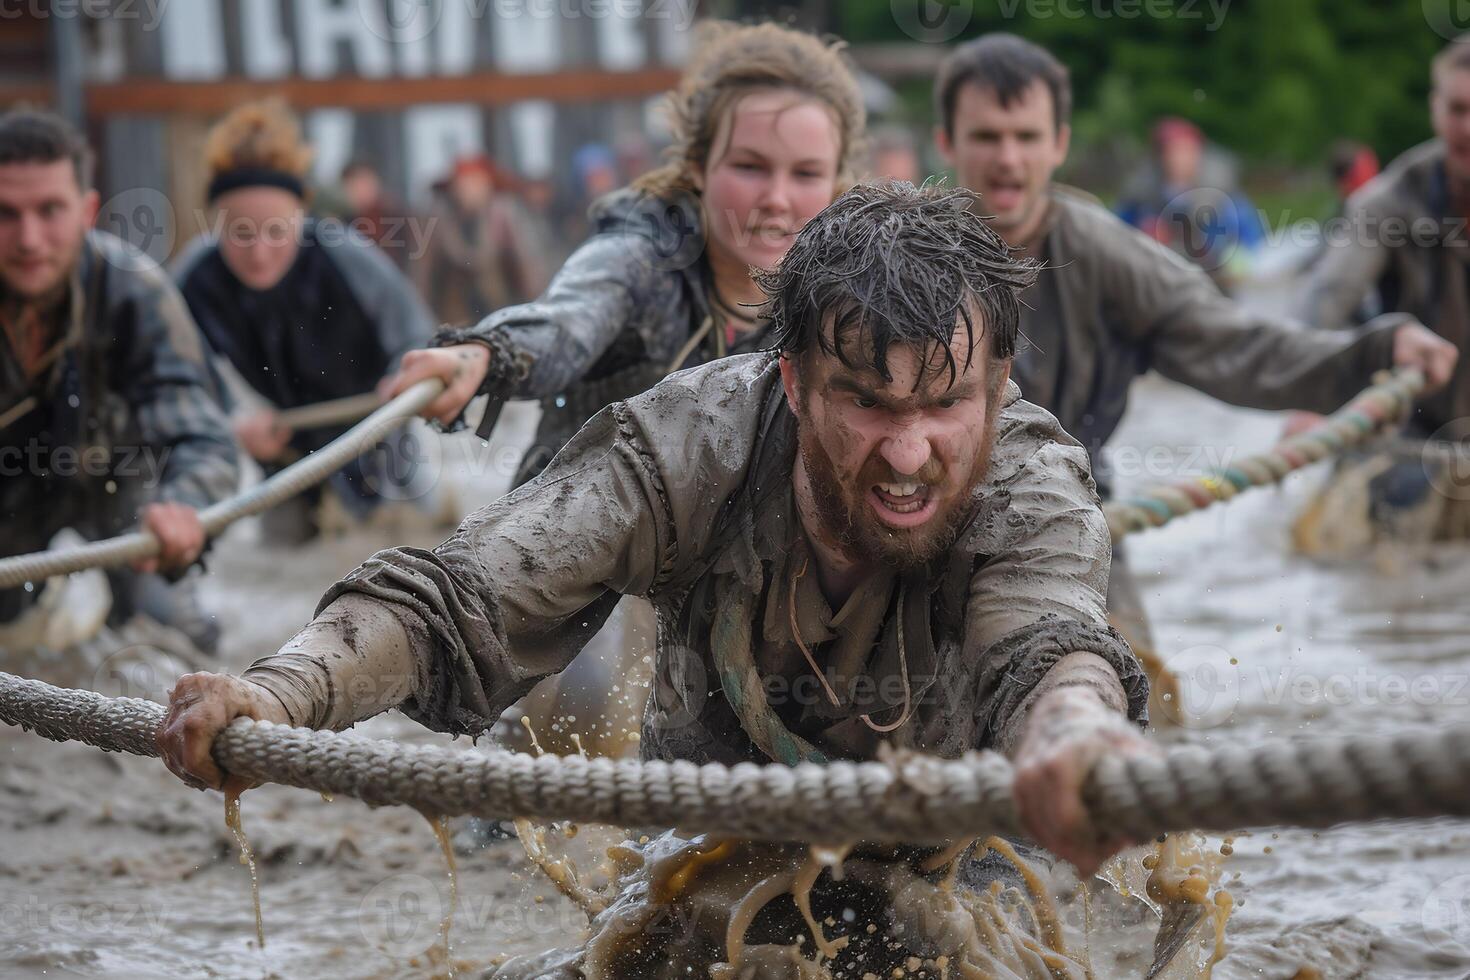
238	177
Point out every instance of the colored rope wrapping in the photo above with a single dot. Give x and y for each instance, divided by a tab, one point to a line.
1364	416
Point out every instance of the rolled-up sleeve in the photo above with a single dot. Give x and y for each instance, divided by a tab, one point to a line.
1041	594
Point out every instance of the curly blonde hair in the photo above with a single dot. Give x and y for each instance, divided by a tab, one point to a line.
261	134
732	61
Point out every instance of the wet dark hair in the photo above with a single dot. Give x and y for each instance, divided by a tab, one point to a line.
33	136
896	264
1008	64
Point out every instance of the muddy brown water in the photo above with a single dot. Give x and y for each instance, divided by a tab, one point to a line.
111	868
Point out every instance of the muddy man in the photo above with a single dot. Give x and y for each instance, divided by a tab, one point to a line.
864	536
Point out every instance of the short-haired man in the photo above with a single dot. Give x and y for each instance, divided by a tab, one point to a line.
868	538
1115	303
107	417
1404	237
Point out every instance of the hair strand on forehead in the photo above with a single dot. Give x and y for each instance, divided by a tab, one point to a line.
890	263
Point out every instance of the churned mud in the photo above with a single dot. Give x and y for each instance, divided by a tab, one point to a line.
109	867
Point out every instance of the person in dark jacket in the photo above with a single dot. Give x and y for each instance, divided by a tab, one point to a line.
303	312
106	416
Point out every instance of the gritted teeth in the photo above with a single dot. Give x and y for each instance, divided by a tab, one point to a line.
900	489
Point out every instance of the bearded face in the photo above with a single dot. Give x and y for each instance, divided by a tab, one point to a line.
892	465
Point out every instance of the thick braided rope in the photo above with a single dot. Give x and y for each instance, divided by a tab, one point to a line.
910	798
1353	424
282	486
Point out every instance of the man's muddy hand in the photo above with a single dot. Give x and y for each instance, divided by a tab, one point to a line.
1069	729
180	536
200	707
1416	346
461	367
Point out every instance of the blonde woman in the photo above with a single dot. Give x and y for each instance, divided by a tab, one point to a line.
767	124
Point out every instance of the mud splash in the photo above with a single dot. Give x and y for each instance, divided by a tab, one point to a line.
736	910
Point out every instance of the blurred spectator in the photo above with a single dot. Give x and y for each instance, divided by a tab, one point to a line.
1187	199
538	198
1352	165
378	215
479	258
895	155
303	311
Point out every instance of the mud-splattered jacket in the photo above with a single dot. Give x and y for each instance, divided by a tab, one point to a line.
122	416
1114	303
684	495
1403	236
614	321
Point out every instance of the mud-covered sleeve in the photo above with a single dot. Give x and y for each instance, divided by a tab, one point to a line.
1196	335
509	599
613	283
1040	595
169	383
1353	260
